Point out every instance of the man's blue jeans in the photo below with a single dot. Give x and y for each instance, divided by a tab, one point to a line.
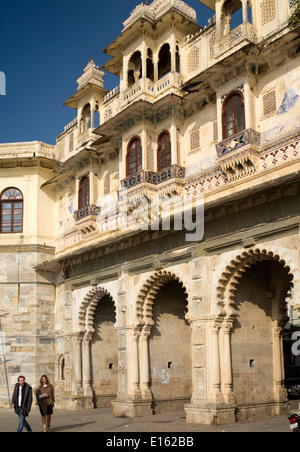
22	422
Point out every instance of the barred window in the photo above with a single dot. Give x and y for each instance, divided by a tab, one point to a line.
11	211
134	157
71	142
269	103
233	114
84	192
268	11
107	185
164	151
194	141
215	131
193	60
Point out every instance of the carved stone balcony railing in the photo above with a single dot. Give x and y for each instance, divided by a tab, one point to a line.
111	94
86	137
70	125
86	219
154	178
238	155
173	172
87	211
238	141
244	32
146	87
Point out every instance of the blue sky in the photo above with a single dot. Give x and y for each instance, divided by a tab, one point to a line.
44	47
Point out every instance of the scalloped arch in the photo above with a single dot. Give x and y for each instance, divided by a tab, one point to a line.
148	293
88	307
230	279
168	41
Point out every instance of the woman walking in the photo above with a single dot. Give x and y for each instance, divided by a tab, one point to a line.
45	400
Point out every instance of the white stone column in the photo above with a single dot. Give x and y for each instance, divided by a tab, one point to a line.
144	59
227	365
135	362
145	372
173	53
174	159
155	63
78	362
245	11
86	361
93	117
215	356
279	390
124	84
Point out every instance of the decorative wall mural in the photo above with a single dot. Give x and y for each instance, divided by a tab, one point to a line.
290	127
71	205
291	96
289	101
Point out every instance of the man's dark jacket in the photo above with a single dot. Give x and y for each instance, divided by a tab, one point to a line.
26	399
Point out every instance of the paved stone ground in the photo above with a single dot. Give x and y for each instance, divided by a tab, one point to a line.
101	420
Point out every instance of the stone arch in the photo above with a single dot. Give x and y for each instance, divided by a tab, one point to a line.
164	60
148	293
168	41
85	340
134	67
88	308
230	279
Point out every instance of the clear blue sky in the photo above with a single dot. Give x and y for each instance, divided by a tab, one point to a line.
44	47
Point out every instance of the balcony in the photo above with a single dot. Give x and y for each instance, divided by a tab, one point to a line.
148	88
86	219
245	138
244	34
116	100
85	139
238	155
153	178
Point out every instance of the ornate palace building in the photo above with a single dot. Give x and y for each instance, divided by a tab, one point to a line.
147	316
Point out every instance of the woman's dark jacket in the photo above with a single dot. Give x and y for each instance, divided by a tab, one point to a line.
26	399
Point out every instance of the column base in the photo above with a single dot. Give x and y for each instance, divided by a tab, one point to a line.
74	403
261	409
210	414
230	414
132	408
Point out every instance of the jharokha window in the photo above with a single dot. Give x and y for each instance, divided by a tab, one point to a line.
233	114
134	157
84	192
164	151
11	211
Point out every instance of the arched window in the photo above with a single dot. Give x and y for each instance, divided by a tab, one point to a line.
84	192
164	63
85	122
163	151
177	57
11	211
135	68
150	66
134	157
233	114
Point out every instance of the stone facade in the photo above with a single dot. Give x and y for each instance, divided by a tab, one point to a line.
146	318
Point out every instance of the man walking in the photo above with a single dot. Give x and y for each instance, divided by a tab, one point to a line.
21	402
